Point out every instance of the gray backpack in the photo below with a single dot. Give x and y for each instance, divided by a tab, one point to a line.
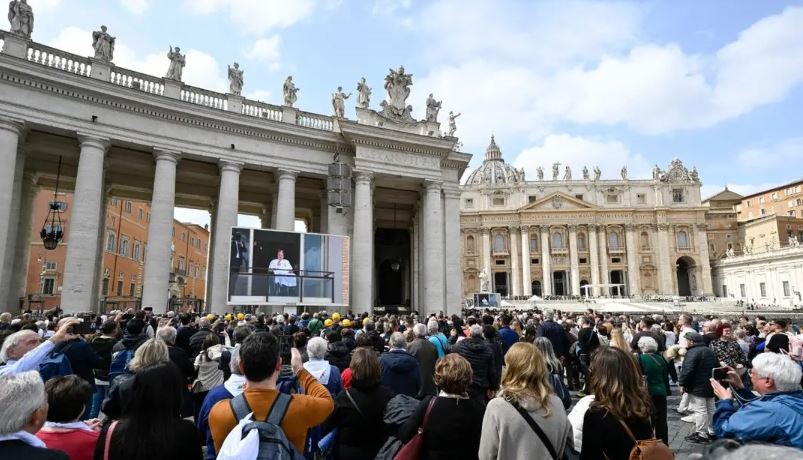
273	443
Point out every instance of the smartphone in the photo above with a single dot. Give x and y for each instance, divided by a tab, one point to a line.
719	373
85	327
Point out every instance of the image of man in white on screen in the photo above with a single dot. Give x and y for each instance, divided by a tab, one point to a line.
282	285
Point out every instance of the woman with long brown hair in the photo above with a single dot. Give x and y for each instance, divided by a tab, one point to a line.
525	404
619	398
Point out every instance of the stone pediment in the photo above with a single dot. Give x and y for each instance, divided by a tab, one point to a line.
557	202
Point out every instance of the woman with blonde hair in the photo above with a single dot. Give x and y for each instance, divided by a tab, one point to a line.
621	403
618	340
151	352
524	407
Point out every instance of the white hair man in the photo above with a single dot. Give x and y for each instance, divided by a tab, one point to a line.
327	374
401	373
24	403
426	354
23	351
437	338
776	416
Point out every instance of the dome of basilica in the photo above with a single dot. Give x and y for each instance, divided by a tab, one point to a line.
494	170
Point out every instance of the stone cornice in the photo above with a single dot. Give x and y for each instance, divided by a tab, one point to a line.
374	136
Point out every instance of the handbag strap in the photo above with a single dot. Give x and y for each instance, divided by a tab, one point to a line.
537	429
354	403
108	442
426	414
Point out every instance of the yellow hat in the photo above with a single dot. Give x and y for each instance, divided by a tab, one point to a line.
240	316
210	317
227	317
346	323
365	321
335	316
327	323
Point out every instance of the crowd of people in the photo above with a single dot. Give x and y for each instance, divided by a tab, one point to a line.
486	384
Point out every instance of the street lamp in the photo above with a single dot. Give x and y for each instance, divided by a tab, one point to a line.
53	229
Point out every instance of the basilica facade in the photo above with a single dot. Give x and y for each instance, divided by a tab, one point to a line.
559	236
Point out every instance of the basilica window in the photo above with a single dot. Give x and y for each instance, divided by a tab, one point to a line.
683	240
499	243
641	198
469	202
498	201
613	240
677	195
645	240
557	240
612	198
533	244
470	243
581	241
532	198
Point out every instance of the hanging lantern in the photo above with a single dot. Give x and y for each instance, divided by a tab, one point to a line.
53	229
338	185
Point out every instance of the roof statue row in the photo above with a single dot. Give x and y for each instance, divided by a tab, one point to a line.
394	108
495	171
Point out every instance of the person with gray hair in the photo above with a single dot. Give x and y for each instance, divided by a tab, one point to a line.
437	338
177	355
426	354
23	351
231	388
485	378
327	374
401	373
24	409
776	416
656	370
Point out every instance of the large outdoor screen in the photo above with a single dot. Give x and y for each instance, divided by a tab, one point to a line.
269	267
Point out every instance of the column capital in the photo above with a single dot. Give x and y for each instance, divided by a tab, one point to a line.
433	185
15	126
662	227
630	227
286	174
485	230
365	177
513	228
451	192
92	140
232	166
572	228
525	229
166	155
592	227
702	226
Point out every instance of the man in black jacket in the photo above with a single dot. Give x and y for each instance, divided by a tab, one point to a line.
695	380
485	381
645	330
185	331
197	339
587	342
557	335
426	354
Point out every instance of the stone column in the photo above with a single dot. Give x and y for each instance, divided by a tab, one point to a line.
701	238
515	262
10	137
433	282
486	257
7	264
546	262
526	276
323	225
604	276
362	244
79	292
157	256
228	202
265	217
633	272
286	203
23	250
452	243
593	258
210	254
574	261
665	266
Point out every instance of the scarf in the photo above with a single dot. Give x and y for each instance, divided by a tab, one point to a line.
235	384
319	369
69	426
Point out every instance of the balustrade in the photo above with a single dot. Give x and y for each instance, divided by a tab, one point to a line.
136	80
62	60
262	110
203	97
313	120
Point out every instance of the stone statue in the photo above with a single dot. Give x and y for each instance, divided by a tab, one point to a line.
177	63
433	107
597	173
585	173
555	171
339	102
624	172
656	173
103	44
397	84
540	173
235	79
20	15
729	252
290	92
363	94
452	124
694	175
485	283
567	174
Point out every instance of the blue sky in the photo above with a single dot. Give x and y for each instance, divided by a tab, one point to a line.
718	84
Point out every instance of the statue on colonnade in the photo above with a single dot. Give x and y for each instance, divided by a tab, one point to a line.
177	63
290	92
433	107
397	84
103	44
20	15
339	102
597	173
567	175
585	173
235	79
363	94
452	124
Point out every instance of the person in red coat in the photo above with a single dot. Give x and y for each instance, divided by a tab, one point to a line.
62	431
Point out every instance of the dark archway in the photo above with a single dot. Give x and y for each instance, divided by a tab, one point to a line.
618	278
500	283
391	282
559	281
392	259
583	291
684	269
537	288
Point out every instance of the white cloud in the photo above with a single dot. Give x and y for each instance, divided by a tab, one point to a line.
255	17
577	152
194	216
136	6
709	190
389	7
44	6
202	70
266	51
778	156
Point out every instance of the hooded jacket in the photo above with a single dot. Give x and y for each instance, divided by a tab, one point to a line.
774	418
400	372
338	355
481	358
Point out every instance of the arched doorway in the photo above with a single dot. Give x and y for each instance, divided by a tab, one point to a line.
391	282
685	272
583	290
537	288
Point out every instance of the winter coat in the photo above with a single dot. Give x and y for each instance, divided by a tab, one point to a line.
398	410
774	418
362	432
338	355
695	374
103	347
557	335
426	354
401	373
481	358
